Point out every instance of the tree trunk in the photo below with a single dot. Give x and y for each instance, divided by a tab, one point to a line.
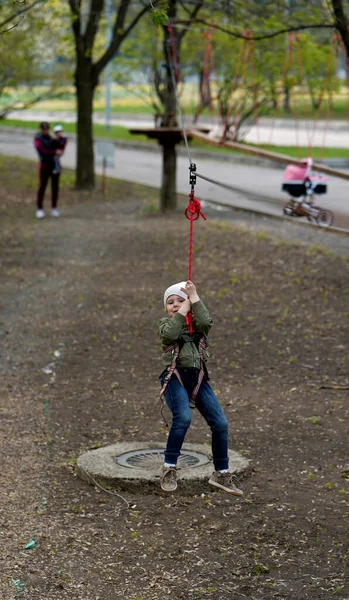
85	176
342	24
287	104
168	195
204	95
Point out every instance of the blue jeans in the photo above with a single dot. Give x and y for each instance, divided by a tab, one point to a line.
177	399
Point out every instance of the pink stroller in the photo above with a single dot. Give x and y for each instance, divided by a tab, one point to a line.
302	186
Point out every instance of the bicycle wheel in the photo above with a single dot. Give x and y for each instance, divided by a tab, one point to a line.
325	218
288	210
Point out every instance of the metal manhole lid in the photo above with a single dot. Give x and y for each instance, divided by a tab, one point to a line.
152	458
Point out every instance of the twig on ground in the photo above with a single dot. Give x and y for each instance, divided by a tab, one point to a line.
334	387
104	489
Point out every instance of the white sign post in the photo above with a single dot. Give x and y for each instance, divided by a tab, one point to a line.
105	158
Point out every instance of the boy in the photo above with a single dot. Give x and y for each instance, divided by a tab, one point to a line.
185	384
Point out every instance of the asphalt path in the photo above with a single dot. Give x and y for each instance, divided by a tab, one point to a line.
250	186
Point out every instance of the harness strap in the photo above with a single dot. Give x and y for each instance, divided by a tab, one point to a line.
172	370
202	346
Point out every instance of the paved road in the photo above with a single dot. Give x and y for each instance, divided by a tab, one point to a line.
255	187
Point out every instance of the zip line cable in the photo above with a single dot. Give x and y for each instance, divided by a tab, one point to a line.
193	210
174	84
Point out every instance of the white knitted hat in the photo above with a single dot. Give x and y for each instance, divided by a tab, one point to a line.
175	290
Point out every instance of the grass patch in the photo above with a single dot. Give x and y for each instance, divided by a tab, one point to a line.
21	188
317	152
99	131
27	174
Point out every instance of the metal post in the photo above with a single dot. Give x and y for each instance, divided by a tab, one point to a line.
104	168
108	68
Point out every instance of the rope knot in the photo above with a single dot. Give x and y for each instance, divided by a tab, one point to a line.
193	210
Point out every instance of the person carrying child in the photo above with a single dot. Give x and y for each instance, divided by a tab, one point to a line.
48	149
185	384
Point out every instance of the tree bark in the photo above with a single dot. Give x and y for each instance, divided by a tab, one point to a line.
341	22
85	176
287	104
87	73
168	195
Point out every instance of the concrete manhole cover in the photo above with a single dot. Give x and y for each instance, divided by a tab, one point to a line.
136	466
154	458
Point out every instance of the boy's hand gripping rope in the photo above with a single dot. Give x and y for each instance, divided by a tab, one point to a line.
192	212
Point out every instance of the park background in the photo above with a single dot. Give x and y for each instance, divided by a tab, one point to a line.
81	297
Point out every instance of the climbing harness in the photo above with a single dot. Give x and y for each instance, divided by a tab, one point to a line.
192	213
172	370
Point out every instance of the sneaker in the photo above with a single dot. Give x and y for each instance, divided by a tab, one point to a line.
54	212
225	482
169	479
40	214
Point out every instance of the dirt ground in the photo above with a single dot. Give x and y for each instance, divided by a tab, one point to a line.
80	300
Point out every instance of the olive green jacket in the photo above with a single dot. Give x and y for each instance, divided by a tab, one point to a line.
174	329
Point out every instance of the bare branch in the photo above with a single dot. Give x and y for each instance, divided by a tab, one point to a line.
265	36
22	106
192	15
341	23
75	7
18	14
96	9
119	34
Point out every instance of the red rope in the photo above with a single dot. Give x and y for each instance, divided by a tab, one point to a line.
303	95
329	105
283	80
243	80
192	212
255	95
295	109
174	53
332	57
214	79
346	68
233	89
209	69
205	82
